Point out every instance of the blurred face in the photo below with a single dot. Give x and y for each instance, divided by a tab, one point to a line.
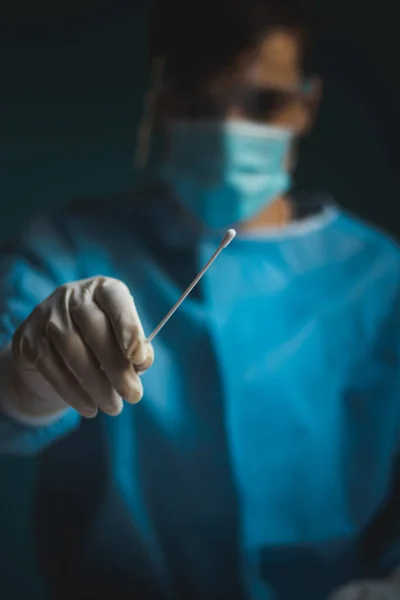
238	174
265	86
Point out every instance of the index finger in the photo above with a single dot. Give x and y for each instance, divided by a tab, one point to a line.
115	299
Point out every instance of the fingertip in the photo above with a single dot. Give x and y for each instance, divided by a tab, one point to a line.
88	413
138	396
130	387
135	394
113	409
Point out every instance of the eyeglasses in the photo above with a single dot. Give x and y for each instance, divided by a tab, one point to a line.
254	103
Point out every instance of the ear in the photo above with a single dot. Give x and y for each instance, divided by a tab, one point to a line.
312	99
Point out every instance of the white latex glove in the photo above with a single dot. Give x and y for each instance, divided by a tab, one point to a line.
385	589
84	347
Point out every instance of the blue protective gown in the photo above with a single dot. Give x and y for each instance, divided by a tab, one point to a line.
269	430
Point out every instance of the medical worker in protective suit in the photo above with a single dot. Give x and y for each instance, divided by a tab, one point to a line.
265	444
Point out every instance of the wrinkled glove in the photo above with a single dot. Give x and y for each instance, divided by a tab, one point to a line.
83	347
385	589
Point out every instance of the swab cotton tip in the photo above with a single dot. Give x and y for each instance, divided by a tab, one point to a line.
228	237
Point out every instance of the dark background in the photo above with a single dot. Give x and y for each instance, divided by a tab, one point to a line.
72	77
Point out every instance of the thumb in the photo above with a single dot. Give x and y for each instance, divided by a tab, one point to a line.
140	352
115	299
142	365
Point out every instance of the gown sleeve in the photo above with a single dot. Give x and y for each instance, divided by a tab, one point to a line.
42	259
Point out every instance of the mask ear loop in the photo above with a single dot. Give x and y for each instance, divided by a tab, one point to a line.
145	128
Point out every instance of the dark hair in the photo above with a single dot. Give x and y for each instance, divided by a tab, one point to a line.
200	38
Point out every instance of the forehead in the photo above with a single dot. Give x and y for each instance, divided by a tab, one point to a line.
276	61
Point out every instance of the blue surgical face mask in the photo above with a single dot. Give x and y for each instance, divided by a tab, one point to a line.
226	172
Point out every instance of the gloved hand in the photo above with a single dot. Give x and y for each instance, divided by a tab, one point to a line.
385	589
84	346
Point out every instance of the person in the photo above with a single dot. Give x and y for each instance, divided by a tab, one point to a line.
265	444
